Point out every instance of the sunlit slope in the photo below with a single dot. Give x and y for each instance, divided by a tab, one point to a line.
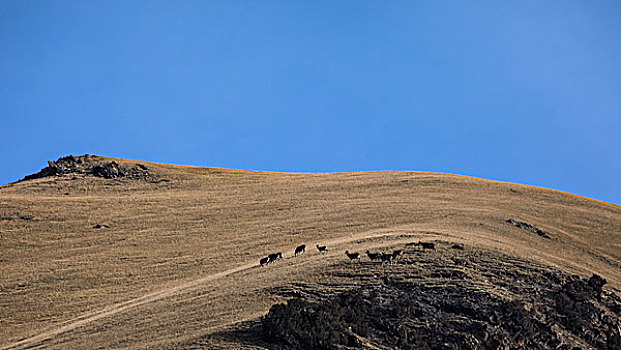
182	254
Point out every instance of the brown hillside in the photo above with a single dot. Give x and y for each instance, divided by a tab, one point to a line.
179	260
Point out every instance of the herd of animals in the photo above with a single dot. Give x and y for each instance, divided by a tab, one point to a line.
383	257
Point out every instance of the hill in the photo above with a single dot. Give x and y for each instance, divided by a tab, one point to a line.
175	262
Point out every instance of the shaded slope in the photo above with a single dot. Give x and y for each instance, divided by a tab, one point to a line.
451	300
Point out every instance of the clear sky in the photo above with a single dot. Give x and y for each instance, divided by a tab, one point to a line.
520	91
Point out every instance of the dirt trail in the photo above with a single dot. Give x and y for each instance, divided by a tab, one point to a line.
184	287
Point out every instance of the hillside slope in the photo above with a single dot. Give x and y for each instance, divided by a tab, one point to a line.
179	259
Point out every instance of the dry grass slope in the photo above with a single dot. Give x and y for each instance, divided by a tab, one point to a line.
179	260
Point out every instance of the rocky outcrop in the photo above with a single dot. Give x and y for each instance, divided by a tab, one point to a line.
94	166
532	228
540	309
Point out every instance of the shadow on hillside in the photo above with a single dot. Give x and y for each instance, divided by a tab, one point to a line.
450	299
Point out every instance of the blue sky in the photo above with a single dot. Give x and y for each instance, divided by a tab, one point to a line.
520	91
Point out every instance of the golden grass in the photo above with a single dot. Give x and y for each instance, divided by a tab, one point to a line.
180	259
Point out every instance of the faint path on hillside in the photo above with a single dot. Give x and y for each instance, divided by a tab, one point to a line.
117	308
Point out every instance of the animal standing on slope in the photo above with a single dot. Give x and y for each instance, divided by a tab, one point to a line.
373	256
322	248
396	254
427	245
300	250
274	257
386	258
352	256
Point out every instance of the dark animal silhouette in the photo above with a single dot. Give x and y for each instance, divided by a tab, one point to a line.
397	254
321	248
459	246
352	256
427	245
373	256
300	250
274	257
386	258
264	261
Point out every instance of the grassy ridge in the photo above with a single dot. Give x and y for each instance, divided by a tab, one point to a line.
203	221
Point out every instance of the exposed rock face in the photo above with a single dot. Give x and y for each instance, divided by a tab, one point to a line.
551	311
532	228
95	166
108	170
